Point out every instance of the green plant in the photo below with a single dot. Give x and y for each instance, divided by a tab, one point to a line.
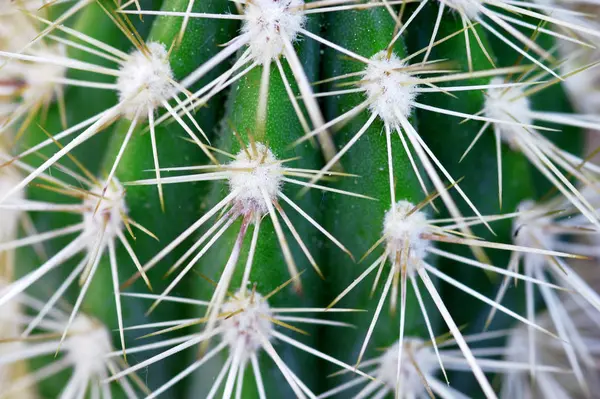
266	192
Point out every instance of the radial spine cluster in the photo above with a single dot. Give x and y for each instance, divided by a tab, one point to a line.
269	23
299	199
403	228
145	80
389	90
249	324
87	346
256	173
105	210
422	362
508	104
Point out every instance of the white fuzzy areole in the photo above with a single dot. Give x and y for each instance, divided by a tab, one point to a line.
12	88
7	7
507	104
387	88
248	326
518	343
401	229
16	27
411	382
470	8
145	80
11	7
551	353
548	352
112	208
40	78
268	23
529	230
9	316
87	345
263	172
9	178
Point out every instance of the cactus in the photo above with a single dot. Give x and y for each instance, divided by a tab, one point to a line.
294	198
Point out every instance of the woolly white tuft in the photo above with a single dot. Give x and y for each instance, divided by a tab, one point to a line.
257	171
145	80
387	88
411	382
108	215
551	353
507	104
41	77
470	8
87	346
269	23
402	228
9	334
16	29
12	7
530	231
9	178
250	322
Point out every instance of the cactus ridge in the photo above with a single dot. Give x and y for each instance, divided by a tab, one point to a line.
313	160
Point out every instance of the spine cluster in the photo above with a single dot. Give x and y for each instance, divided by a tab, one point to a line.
294	198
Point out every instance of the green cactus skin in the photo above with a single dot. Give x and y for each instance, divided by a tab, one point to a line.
182	204
449	143
94	22
96	101
483	190
359	222
269	268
